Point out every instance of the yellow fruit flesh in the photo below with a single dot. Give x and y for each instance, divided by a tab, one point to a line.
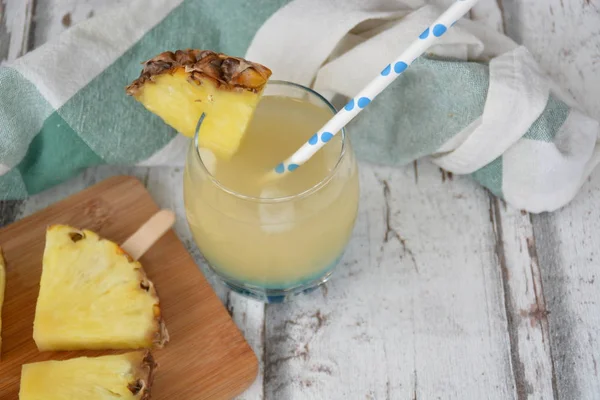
180	102
2	287
90	296
100	378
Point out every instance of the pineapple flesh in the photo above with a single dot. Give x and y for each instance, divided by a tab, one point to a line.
123	377
2	288
94	296
180	86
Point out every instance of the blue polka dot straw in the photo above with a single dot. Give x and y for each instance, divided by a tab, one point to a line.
388	74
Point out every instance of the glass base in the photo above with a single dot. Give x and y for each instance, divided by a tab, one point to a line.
275	294
272	296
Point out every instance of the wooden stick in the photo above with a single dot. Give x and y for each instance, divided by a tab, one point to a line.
152	230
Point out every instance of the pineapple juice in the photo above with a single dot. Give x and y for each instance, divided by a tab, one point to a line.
274	236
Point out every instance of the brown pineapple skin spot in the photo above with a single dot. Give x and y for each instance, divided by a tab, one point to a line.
76	236
145	285
148	367
227	72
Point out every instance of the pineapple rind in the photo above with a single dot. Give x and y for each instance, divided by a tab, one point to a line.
2	289
180	86
93	296
124	377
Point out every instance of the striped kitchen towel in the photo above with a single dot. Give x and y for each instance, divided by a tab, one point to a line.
476	104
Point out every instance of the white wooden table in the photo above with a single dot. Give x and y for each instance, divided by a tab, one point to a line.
445	292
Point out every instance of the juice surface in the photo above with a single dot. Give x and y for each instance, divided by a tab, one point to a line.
280	126
274	244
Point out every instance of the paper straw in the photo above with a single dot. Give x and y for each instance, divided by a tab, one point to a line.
376	86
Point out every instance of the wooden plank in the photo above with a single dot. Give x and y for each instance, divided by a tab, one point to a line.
206	358
55	16
416	310
568	243
16	21
524	301
527	21
249	316
564	37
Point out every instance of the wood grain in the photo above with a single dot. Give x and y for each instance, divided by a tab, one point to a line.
414	312
568	243
207	357
525	303
16	22
564	36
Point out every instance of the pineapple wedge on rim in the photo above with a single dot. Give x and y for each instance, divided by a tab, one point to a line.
180	86
94	296
123	377
2	289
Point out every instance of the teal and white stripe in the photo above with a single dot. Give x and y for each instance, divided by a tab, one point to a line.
63	106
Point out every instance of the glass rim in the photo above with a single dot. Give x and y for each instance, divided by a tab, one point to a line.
282	199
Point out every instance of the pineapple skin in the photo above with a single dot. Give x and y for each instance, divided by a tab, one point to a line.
180	86
124	377
94	296
2	289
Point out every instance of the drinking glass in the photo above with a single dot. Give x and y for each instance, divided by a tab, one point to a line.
273	248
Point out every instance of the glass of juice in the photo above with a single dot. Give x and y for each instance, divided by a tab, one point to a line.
274	240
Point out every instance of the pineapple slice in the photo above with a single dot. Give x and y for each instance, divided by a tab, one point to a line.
2	286
180	86
94	296
123	377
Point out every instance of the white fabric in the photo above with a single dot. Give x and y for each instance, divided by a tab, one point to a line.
517	95
338	46
372	54
315	27
566	163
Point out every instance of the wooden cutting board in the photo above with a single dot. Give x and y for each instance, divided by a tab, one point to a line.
207	357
